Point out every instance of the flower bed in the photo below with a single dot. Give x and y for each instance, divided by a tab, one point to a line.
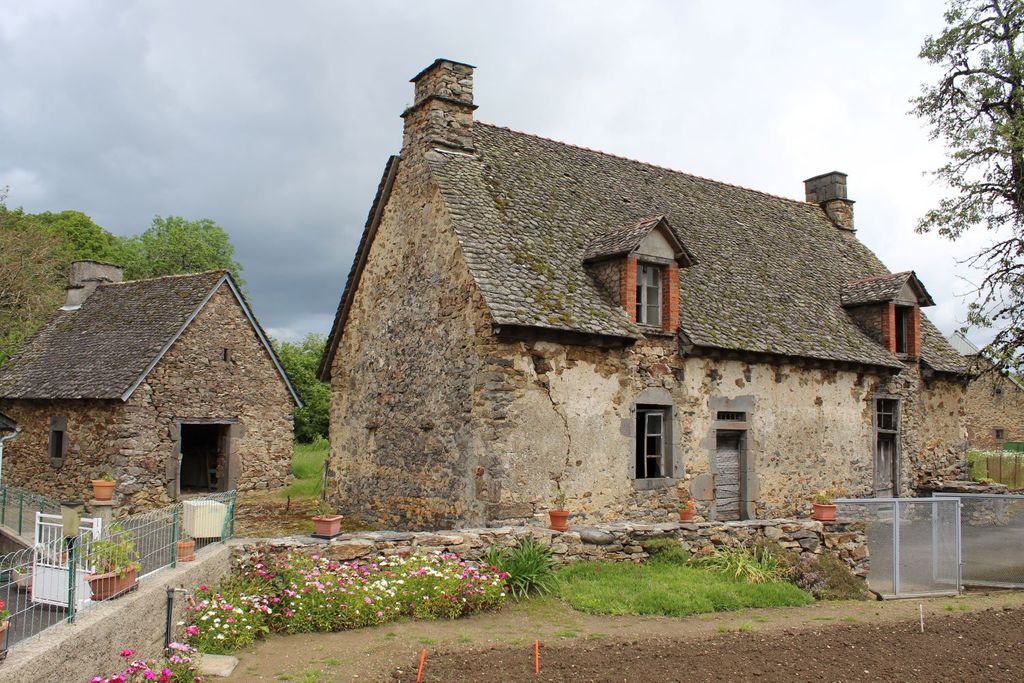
176	667
297	593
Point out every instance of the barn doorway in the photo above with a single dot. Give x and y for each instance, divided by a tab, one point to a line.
729	475
204	458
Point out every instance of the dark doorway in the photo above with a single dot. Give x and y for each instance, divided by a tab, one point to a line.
204	458
729	475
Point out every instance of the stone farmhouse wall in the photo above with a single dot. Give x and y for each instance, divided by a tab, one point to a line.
994	402
137	440
460	428
619	541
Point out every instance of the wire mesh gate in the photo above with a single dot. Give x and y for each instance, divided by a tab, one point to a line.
992	534
914	544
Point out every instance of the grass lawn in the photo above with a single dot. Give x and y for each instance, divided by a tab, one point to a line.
666	589
308	467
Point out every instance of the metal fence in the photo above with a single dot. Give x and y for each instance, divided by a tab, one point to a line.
18	509
913	543
992	534
54	580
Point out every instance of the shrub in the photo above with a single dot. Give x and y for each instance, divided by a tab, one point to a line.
826	577
665	549
305	594
529	567
762	565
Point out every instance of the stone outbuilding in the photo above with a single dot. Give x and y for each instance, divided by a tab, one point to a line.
527	318
169	384
995	402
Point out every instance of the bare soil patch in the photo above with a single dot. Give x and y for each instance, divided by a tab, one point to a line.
812	634
984	645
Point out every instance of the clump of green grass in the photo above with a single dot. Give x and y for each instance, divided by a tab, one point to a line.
665	549
668	589
308	467
761	565
529	565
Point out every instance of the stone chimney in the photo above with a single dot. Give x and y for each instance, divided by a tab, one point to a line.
829	190
85	277
442	114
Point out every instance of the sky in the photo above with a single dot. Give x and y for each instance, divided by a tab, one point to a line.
275	119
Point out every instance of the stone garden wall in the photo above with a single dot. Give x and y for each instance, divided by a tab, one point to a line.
620	541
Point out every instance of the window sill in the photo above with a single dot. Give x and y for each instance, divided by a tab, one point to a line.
652	331
654	483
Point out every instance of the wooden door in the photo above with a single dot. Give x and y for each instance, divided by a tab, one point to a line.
728	455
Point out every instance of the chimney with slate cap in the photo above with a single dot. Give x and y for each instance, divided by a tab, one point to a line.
829	191
442	115
85	277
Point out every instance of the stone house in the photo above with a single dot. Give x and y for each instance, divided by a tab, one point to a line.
170	384
994	403
526	317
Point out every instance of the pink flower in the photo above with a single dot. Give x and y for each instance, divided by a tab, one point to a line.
192	630
127	653
149	675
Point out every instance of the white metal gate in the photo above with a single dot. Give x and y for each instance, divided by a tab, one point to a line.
992	533
913	544
50	560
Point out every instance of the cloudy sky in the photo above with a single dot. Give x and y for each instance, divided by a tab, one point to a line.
275	118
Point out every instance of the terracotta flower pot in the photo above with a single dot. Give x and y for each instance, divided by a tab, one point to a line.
327	526
824	512
4	625
559	519
685	514
112	585
103	489
186	550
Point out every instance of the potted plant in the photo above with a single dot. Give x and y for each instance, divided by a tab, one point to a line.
559	515
5	621
103	488
115	563
824	508
686	511
186	549
326	523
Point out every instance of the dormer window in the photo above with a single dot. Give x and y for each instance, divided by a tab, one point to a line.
648	295
639	265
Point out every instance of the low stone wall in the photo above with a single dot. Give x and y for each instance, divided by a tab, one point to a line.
618	541
91	645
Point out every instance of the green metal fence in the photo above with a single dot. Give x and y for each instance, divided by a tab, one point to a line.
18	509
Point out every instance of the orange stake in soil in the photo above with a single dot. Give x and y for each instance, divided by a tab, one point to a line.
423	658
536	656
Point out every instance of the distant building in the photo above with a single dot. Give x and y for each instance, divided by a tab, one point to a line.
995	402
526	317
169	384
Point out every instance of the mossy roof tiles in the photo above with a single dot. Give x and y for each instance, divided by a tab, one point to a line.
769	271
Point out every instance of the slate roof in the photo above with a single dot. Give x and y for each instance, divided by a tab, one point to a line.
770	271
883	288
625	239
105	348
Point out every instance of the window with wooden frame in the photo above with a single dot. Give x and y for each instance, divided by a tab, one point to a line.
887	429
653	442
903	321
1000	434
648	294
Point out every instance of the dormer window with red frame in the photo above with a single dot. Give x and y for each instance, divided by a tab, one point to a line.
639	264
888	309
648	294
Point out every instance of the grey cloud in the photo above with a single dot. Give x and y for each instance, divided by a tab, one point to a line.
275	119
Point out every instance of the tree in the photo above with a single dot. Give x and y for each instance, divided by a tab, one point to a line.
301	362
174	246
977	110
32	277
82	238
